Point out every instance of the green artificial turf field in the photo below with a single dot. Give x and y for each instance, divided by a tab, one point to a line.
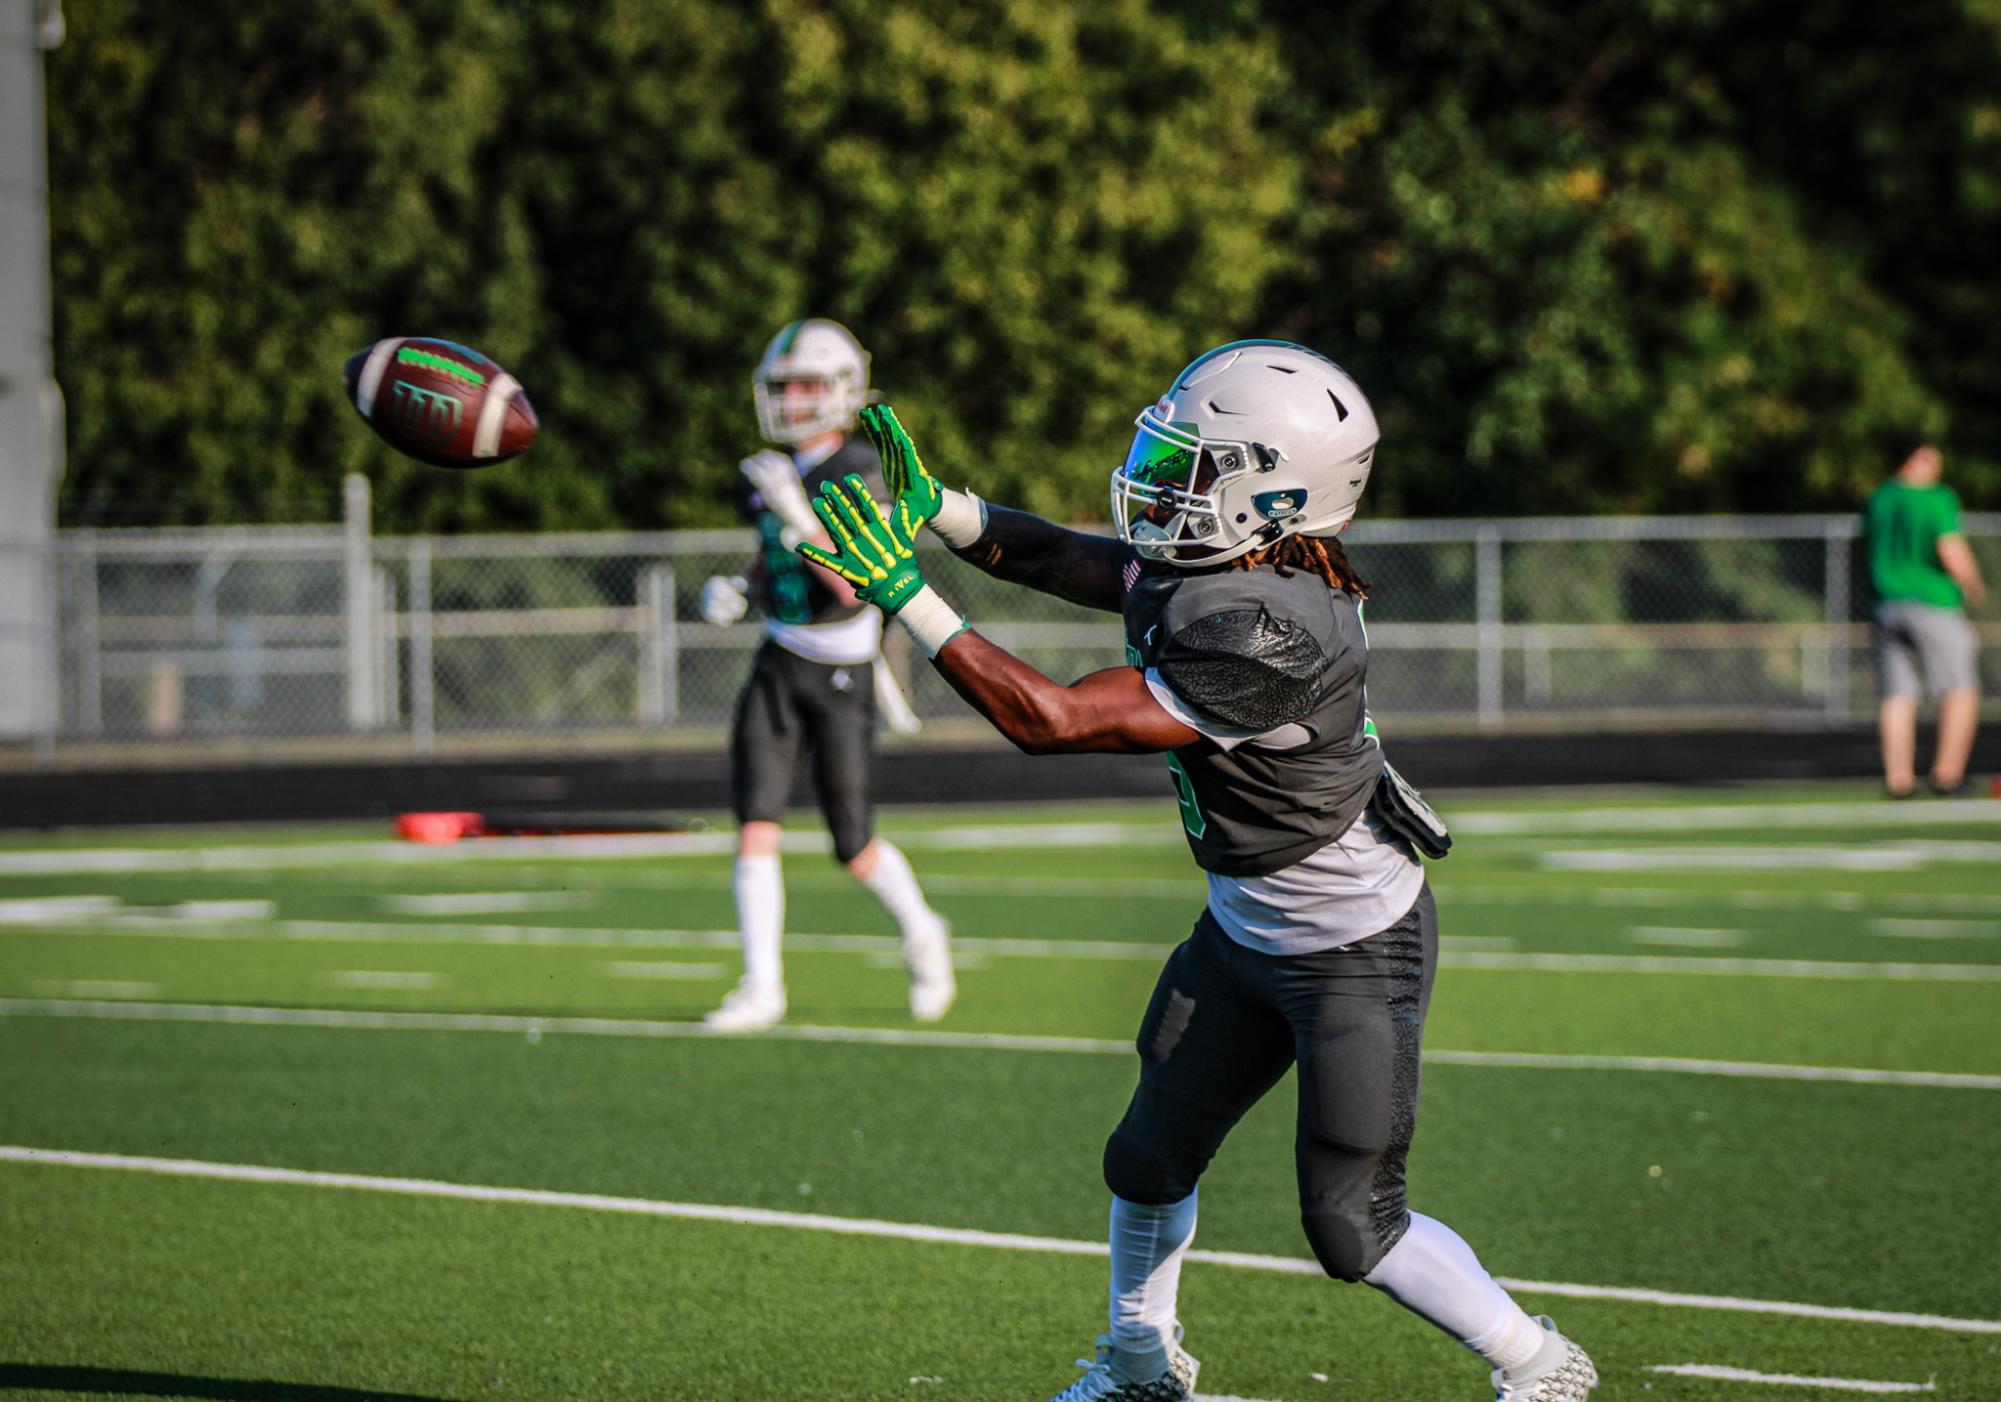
311	1115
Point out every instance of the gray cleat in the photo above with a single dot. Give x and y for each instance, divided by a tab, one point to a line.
1164	1374
1562	1372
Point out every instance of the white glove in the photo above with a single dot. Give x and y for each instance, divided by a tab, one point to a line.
725	599
890	702
776	478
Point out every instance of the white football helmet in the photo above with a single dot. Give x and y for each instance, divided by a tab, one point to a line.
1256	441
830	370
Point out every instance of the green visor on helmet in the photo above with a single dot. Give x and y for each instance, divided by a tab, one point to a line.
1162	500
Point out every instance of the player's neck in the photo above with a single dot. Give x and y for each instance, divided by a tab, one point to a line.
819	447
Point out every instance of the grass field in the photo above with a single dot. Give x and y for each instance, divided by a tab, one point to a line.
308	1115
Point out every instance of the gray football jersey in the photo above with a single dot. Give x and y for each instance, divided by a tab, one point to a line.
1260	650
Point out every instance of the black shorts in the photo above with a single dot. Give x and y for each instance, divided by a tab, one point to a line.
790	703
1226	1022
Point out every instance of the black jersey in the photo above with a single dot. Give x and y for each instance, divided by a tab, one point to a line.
1258	651
785	588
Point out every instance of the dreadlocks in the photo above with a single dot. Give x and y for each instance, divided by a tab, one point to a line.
1318	555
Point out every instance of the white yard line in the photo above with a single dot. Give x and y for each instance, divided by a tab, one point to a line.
1945	902
908	1231
1745	858
1730	968
1683	936
486	902
51	910
1456	952
1744	1375
398	979
523	1025
669	971
1935	929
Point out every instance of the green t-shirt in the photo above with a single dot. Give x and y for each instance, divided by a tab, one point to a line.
1903	524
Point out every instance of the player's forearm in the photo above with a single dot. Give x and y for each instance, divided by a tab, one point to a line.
1025	549
1039	715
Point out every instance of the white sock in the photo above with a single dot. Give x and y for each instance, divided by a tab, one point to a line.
1147	1246
894	884
760	916
1434	1274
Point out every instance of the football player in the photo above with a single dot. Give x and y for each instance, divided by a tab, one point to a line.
1245	664
814	684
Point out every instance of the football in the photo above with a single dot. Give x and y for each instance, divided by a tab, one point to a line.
440	402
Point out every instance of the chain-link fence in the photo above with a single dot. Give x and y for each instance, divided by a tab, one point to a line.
168	636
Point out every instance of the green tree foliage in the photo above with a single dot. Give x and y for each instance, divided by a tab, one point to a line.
1027	211
1640	257
1679	255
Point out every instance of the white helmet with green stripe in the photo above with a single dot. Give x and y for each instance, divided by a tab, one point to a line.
813	380
1256	441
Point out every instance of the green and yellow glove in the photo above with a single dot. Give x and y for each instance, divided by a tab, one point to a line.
918	495
872	547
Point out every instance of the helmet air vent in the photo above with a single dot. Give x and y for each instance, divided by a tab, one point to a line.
1339	407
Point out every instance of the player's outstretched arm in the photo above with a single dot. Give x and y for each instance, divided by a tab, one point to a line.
1011	545
1110	710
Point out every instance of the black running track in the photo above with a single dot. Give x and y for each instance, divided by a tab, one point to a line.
55	795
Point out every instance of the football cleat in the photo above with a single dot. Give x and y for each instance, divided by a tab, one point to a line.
1118	1374
749	1008
1562	1372
932	986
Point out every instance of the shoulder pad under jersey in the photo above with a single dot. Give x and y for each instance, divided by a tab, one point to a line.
1247	647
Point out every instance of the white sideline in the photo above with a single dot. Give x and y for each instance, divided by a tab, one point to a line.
521	1025
1745	1375
980	836
1898	856
1710	817
988	837
1468	952
910	1231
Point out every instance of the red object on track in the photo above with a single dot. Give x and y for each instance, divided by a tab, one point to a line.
438	827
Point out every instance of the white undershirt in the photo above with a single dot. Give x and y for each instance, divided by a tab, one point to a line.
1360	883
846	643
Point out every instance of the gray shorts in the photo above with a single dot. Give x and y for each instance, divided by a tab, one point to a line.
1939	641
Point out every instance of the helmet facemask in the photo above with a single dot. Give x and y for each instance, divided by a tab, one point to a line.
1167	498
789	413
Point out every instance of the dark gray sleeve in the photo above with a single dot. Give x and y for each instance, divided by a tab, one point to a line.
1246	667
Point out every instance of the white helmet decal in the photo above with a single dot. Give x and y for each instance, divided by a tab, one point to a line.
815	352
1256	441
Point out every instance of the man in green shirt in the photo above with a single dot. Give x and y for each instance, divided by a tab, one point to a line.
1925	575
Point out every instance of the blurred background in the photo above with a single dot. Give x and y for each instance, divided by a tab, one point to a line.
1642	294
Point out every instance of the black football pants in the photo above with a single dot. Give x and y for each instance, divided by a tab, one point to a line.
790	704
1226	1022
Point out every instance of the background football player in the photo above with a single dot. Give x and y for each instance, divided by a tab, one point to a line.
1246	663
814	684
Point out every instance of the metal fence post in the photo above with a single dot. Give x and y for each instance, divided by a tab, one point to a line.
423	716
49	645
659	648
89	650
1487	610
358	596
1839	533
388	698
